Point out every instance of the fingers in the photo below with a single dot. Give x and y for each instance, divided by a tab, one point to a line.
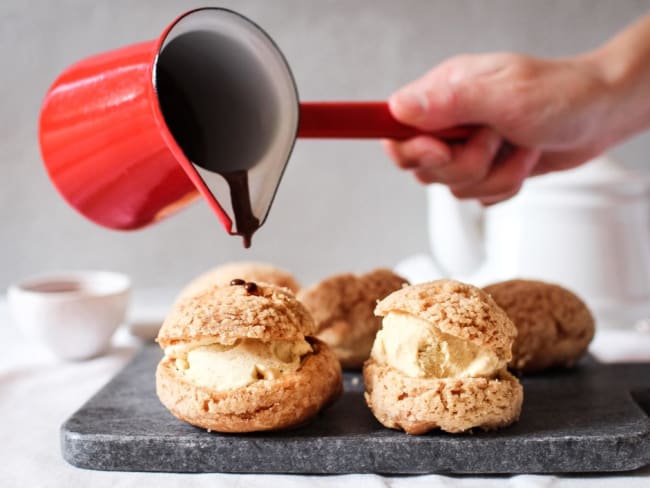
433	161
471	161
558	161
463	89
504	179
420	151
411	106
484	168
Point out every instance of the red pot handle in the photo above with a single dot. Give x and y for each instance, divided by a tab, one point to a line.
364	120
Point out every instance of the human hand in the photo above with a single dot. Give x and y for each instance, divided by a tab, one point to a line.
535	116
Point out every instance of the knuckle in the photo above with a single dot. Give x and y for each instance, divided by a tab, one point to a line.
518	66
455	73
487	148
463	192
478	175
509	187
489	201
519	74
399	156
477	168
400	162
422	179
392	150
425	177
466	178
517	111
405	164
453	174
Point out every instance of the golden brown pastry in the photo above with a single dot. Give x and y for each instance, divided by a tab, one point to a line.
343	306
555	327
249	271
240	358
440	359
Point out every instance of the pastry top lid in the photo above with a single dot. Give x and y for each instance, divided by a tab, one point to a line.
457	309
247	270
242	311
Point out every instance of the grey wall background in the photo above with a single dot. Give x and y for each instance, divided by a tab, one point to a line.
342	206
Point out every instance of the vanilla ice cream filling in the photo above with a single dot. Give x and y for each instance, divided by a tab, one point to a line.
223	367
418	349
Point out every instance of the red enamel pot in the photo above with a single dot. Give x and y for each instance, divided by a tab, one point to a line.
130	136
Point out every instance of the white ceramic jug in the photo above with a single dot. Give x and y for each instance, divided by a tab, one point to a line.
586	229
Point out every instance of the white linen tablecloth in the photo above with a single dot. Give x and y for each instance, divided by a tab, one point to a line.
39	392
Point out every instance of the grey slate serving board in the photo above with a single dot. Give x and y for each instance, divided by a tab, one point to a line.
591	419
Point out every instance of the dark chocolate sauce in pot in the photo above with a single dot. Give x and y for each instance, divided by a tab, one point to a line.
213	112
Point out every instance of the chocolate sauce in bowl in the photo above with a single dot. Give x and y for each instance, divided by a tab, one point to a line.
55	287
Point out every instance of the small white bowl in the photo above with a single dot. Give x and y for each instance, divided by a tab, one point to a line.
74	313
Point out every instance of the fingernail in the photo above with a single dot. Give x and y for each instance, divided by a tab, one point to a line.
410	104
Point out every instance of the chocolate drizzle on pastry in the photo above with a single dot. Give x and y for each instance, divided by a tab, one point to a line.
250	286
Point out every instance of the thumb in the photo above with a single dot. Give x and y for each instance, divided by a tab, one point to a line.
446	96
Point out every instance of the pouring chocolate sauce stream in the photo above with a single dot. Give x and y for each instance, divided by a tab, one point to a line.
245	221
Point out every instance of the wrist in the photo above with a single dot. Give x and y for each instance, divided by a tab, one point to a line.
623	87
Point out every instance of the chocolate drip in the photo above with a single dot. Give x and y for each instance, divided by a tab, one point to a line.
245	220
251	287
